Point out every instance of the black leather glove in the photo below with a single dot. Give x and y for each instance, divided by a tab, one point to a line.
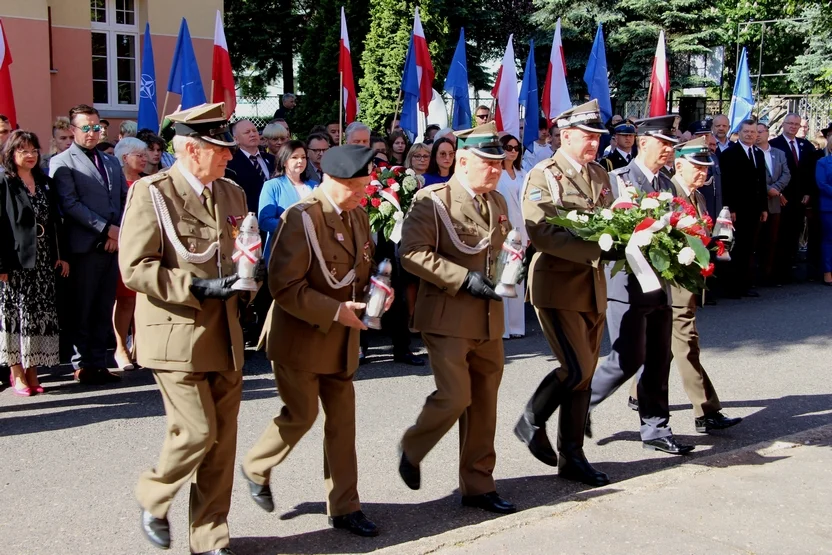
480	286
260	272
219	288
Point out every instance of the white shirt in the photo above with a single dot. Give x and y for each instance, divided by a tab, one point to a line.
533	157
302	190
769	162
796	146
753	158
260	161
722	146
626	155
195	183
332	202
467	187
647	173
512	190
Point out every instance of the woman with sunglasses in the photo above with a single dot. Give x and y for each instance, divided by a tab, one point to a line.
442	162
29	255
511	187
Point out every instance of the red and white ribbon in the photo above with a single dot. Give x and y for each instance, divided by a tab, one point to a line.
381	285
513	254
396	234
246	250
641	237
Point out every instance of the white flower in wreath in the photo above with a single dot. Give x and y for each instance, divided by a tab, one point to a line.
605	241
664	196
606	213
649	203
572	216
642	238
630	191
583	218
409	171
685	222
686	256
395	187
398	216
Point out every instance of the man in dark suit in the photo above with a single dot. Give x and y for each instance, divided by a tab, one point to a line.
801	156
249	168
91	191
712	190
778	178
639	321
744	174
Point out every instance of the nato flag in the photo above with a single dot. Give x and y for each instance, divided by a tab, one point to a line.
148	108
184	76
742	101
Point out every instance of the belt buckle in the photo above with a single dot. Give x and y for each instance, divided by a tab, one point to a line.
41	230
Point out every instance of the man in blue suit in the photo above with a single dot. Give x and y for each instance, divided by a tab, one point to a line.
91	192
639	322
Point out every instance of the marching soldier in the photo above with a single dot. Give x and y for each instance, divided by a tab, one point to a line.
451	239
693	163
179	227
320	263
568	291
625	151
640	322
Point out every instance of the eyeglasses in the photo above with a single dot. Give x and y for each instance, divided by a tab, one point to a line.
512	148
24	152
421	156
87	128
318	150
445	154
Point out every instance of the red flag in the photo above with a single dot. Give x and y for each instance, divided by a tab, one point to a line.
348	96
6	93
659	81
222	78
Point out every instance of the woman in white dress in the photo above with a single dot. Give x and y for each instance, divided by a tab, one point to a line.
511	187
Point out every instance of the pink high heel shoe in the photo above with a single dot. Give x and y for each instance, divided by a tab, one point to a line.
23	391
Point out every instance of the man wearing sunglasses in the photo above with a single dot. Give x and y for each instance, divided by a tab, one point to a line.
91	192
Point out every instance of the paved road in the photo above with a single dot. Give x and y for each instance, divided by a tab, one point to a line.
70	458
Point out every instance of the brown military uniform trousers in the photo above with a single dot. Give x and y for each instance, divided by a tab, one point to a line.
467	374
201	441
575	339
299	391
685	348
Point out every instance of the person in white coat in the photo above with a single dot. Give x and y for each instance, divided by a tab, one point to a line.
511	187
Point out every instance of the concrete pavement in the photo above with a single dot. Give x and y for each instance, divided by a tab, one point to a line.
70	458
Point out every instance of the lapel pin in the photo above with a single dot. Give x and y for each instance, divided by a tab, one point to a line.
340	236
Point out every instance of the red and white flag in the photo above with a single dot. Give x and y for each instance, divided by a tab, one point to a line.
555	94
349	98
6	93
424	67
222	78
659	81
507	116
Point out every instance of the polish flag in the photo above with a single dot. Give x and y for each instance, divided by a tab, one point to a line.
507	116
6	93
424	68
555	94
348	95
659	81
222	78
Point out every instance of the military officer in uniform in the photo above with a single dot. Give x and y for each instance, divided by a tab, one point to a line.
624	151
640	322
320	263
568	290
450	241
693	162
178	230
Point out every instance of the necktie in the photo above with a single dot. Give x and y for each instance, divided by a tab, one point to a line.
482	206
751	157
585	175
257	166
209	201
629	158
99	165
794	152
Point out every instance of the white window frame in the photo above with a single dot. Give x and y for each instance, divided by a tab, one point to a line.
111	29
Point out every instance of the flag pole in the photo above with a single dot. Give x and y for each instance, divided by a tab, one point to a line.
649	95
341	107
396	113
452	113
164	110
211	98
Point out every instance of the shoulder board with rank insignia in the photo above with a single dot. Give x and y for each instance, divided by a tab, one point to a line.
231	181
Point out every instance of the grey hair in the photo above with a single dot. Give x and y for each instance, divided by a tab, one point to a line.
288	96
355	127
128	145
128	128
274	130
179	143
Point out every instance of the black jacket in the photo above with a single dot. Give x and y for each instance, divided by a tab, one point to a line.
744	185
18	229
242	172
803	174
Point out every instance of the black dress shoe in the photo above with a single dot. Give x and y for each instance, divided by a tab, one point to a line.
490	502
105	376
668	445
409	358
409	472
355	523
156	530
751	293
88	376
262	494
714	421
632	402
221	551
540	447
588	425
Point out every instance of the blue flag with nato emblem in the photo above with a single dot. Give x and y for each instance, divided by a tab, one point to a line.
595	76
184	76
148	109
529	100
742	101
456	85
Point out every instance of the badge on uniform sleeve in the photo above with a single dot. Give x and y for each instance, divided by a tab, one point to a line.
366	254
535	195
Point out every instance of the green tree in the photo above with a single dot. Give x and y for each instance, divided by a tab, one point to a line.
811	71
